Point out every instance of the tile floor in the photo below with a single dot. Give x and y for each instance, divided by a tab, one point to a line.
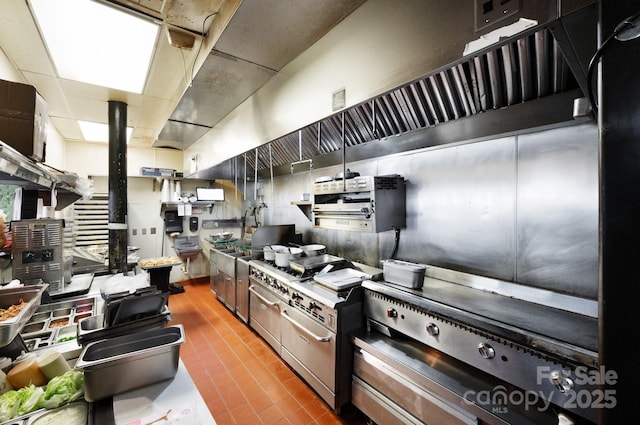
242	380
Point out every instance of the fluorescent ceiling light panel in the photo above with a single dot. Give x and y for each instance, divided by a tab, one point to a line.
97	132
97	44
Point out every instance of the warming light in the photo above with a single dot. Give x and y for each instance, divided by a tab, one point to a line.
97	44
97	132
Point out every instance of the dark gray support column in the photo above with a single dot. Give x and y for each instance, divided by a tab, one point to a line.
620	212
117	187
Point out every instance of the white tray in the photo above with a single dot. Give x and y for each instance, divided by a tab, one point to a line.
341	279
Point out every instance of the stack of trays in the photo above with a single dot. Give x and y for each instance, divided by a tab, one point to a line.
126	313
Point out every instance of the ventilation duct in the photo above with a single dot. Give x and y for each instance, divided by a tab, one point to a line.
527	81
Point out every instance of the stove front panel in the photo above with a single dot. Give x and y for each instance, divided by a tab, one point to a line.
525	367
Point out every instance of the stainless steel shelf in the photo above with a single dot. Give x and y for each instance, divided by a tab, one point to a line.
19	170
305	207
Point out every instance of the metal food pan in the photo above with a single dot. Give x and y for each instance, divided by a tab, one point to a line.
403	273
32	295
55	321
116	365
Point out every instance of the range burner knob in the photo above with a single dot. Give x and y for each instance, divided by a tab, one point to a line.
391	312
486	351
561	381
296	296
433	330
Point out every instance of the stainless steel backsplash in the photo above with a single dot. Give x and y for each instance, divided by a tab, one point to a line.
522	208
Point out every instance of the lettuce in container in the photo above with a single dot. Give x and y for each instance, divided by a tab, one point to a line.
60	390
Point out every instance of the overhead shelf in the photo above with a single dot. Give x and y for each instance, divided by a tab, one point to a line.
172	206
17	169
305	207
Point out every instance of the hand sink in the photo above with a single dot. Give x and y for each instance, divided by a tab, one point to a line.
186	246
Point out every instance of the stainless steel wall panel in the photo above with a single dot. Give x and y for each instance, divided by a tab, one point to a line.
462	202
557	216
521	209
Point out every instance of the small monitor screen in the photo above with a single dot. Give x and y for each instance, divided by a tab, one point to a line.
209	194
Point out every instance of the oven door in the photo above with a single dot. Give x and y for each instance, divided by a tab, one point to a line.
264	315
310	349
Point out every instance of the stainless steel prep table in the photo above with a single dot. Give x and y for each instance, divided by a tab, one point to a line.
127	407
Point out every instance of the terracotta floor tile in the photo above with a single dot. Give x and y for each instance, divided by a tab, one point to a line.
315	407
252	420
288	404
258	401
224	419
241	413
300	416
240	377
271	414
277	392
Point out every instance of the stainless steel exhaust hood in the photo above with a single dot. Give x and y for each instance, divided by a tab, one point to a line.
525	82
16	169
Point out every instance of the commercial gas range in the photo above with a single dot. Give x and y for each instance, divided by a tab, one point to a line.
307	323
467	349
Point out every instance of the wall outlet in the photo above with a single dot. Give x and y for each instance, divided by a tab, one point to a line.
490	12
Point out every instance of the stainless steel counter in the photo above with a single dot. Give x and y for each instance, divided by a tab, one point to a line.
178	395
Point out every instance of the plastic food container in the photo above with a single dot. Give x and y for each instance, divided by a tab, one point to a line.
116	365
26	371
403	273
53	364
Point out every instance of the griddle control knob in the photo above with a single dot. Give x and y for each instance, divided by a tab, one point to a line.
486	351
433	330
391	312
561	381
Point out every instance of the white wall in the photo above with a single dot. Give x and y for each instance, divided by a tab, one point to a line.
92	159
145	221
375	49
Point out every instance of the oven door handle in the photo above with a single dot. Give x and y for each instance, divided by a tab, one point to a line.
298	325
262	298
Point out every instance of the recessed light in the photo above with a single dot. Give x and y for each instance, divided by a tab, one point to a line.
98	132
95	43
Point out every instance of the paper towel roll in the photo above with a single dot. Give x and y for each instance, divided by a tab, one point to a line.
166	195
178	190
172	190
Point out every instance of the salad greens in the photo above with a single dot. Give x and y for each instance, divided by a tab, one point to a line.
60	390
63	389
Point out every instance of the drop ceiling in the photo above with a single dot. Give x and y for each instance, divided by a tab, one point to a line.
188	91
